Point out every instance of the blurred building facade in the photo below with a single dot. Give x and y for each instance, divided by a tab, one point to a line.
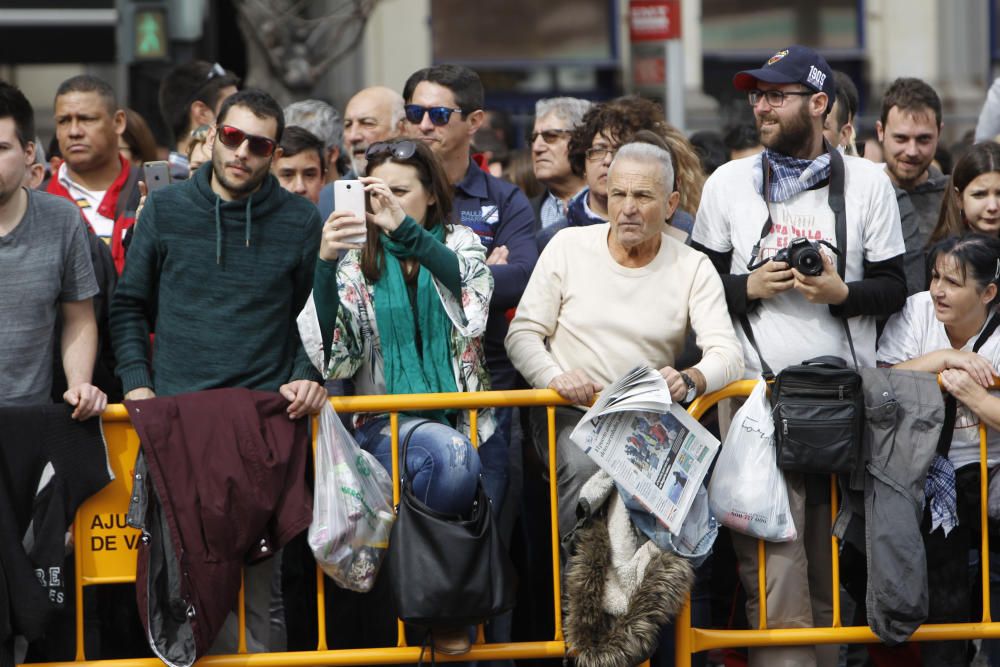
526	49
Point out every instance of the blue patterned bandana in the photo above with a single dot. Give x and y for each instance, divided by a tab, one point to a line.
940	492
792	175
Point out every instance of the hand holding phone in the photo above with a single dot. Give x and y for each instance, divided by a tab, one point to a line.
349	195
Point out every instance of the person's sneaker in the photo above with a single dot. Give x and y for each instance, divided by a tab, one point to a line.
452	641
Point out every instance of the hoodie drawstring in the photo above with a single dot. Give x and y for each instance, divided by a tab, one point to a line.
249	199
218	232
218	228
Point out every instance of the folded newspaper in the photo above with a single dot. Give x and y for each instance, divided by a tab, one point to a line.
651	446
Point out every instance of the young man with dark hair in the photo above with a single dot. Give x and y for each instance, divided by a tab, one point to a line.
301	166
46	271
227	259
94	174
909	129
190	96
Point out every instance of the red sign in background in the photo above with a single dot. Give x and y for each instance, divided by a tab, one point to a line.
650	71
654	20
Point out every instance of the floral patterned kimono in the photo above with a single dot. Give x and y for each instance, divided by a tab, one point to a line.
356	352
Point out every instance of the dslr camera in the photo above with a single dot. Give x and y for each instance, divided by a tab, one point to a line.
802	255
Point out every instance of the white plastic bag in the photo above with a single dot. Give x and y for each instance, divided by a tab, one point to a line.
352	507
747	491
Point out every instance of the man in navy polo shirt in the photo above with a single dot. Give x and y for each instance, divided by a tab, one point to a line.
444	108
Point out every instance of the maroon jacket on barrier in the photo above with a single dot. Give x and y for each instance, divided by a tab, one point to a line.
225	487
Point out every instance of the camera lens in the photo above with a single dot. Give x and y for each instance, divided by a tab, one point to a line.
809	262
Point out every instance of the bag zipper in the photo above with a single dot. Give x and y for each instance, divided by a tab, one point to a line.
840	421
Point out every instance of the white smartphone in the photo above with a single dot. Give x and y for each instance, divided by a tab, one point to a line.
156	175
350	196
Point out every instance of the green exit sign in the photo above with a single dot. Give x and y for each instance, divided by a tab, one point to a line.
150	26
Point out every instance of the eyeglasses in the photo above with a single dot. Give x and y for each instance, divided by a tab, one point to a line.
548	136
401	150
775	98
439	115
598	153
233	137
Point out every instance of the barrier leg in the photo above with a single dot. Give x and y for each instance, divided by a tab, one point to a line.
834	555
78	587
394	441
241	615
682	635
554	505
984	547
761	586
321	644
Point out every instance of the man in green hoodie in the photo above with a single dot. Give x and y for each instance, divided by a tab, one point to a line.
219	267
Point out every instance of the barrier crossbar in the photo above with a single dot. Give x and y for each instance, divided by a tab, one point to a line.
690	640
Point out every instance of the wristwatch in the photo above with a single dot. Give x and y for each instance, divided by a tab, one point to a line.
692	388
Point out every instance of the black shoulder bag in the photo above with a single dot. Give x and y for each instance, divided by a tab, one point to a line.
818	405
446	570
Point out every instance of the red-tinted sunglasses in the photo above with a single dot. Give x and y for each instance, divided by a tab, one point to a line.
233	137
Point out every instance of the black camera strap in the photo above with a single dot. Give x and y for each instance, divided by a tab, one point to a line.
835	199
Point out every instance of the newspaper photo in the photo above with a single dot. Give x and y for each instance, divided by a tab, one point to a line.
651	446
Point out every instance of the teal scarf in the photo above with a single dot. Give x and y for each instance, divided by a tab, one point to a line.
408	370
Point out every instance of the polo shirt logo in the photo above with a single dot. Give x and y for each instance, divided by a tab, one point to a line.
491	214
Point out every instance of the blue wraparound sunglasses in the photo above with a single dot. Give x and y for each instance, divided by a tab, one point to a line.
439	115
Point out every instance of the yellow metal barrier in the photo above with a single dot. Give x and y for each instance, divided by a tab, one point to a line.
105	547
105	553
689	640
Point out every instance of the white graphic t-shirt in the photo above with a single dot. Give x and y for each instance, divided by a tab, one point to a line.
915	331
787	327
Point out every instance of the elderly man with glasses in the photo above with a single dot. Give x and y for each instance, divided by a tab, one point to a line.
592	147
555	120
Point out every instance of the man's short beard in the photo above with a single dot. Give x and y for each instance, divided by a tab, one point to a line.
237	190
795	137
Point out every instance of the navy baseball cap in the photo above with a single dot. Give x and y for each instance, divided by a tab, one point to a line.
795	64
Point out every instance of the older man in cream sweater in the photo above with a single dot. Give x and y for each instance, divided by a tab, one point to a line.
605	298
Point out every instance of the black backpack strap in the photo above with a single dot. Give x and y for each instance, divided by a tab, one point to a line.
950	404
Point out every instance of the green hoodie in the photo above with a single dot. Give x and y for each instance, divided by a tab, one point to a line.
221	284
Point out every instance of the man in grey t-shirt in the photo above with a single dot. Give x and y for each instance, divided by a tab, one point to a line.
45	269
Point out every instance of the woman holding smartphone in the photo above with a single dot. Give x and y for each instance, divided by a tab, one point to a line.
403	313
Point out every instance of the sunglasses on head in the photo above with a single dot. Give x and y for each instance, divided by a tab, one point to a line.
233	137
401	150
549	136
439	115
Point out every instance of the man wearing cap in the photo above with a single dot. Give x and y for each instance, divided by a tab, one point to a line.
794	316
